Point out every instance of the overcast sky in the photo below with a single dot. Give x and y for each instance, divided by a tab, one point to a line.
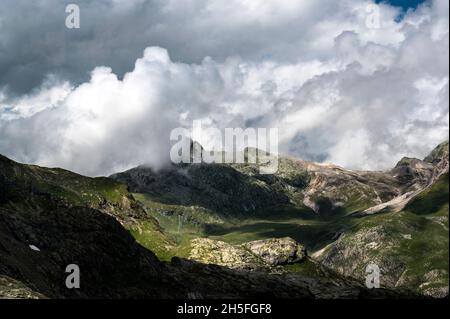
341	85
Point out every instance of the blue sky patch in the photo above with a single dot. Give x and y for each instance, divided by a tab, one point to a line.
405	4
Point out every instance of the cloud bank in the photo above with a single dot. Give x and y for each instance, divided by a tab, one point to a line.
338	90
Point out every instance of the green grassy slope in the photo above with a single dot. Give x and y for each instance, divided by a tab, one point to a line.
37	189
181	224
46	188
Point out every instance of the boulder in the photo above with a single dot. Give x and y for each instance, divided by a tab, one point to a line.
278	251
256	255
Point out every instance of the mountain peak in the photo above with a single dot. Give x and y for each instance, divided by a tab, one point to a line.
440	153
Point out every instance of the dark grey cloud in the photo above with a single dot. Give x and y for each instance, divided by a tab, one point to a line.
34	41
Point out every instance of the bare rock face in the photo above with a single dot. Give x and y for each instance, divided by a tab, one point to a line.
214	252
412	171
13	289
256	255
439	157
278	251
439	154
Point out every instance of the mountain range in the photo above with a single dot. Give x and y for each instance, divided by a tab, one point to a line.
226	231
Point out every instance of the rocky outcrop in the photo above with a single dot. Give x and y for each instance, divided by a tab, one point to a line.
412	171
256	255
439	158
214	252
13	289
277	251
439	155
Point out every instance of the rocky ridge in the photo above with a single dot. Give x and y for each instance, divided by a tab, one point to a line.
328	190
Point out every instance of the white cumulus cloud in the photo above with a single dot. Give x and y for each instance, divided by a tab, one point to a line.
337	90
